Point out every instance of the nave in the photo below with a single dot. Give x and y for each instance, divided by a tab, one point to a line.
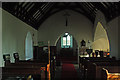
82	36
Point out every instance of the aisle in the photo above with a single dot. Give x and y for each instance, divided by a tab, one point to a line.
68	72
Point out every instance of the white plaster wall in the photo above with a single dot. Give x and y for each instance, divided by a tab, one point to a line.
119	37
78	25
14	33
100	18
113	37
1	37
112	32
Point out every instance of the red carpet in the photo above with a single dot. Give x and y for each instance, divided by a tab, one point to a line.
67	59
68	72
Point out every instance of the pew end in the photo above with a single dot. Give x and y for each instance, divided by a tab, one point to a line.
106	75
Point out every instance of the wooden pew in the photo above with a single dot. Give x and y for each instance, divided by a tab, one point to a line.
52	68
94	69
52	64
24	68
52	60
87	64
29	65
83	60
112	66
97	59
24	64
111	73
20	71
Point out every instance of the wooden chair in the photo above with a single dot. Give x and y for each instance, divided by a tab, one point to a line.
6	58
16	57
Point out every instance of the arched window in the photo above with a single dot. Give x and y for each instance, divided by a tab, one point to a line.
66	41
28	47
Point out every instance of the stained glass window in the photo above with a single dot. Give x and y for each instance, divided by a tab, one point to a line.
66	41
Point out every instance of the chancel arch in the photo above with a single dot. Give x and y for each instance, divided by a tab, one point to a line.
28	46
68	41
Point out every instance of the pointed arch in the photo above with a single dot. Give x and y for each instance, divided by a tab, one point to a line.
101	41
28	46
59	37
66	40
73	49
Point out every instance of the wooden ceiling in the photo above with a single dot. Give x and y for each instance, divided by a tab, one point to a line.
35	13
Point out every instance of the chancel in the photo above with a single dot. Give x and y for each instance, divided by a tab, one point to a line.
59	40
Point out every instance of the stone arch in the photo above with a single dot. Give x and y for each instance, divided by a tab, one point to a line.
63	34
101	41
75	43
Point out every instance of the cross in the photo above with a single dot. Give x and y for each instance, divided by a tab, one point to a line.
66	16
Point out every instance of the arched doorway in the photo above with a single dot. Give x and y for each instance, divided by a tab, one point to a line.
101	41
28	47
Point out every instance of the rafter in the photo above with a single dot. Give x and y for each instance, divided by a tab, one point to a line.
26	8
35	13
46	15
33	10
91	12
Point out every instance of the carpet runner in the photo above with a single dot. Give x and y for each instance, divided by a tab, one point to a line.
68	72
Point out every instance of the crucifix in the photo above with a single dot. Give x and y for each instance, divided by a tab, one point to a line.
66	17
